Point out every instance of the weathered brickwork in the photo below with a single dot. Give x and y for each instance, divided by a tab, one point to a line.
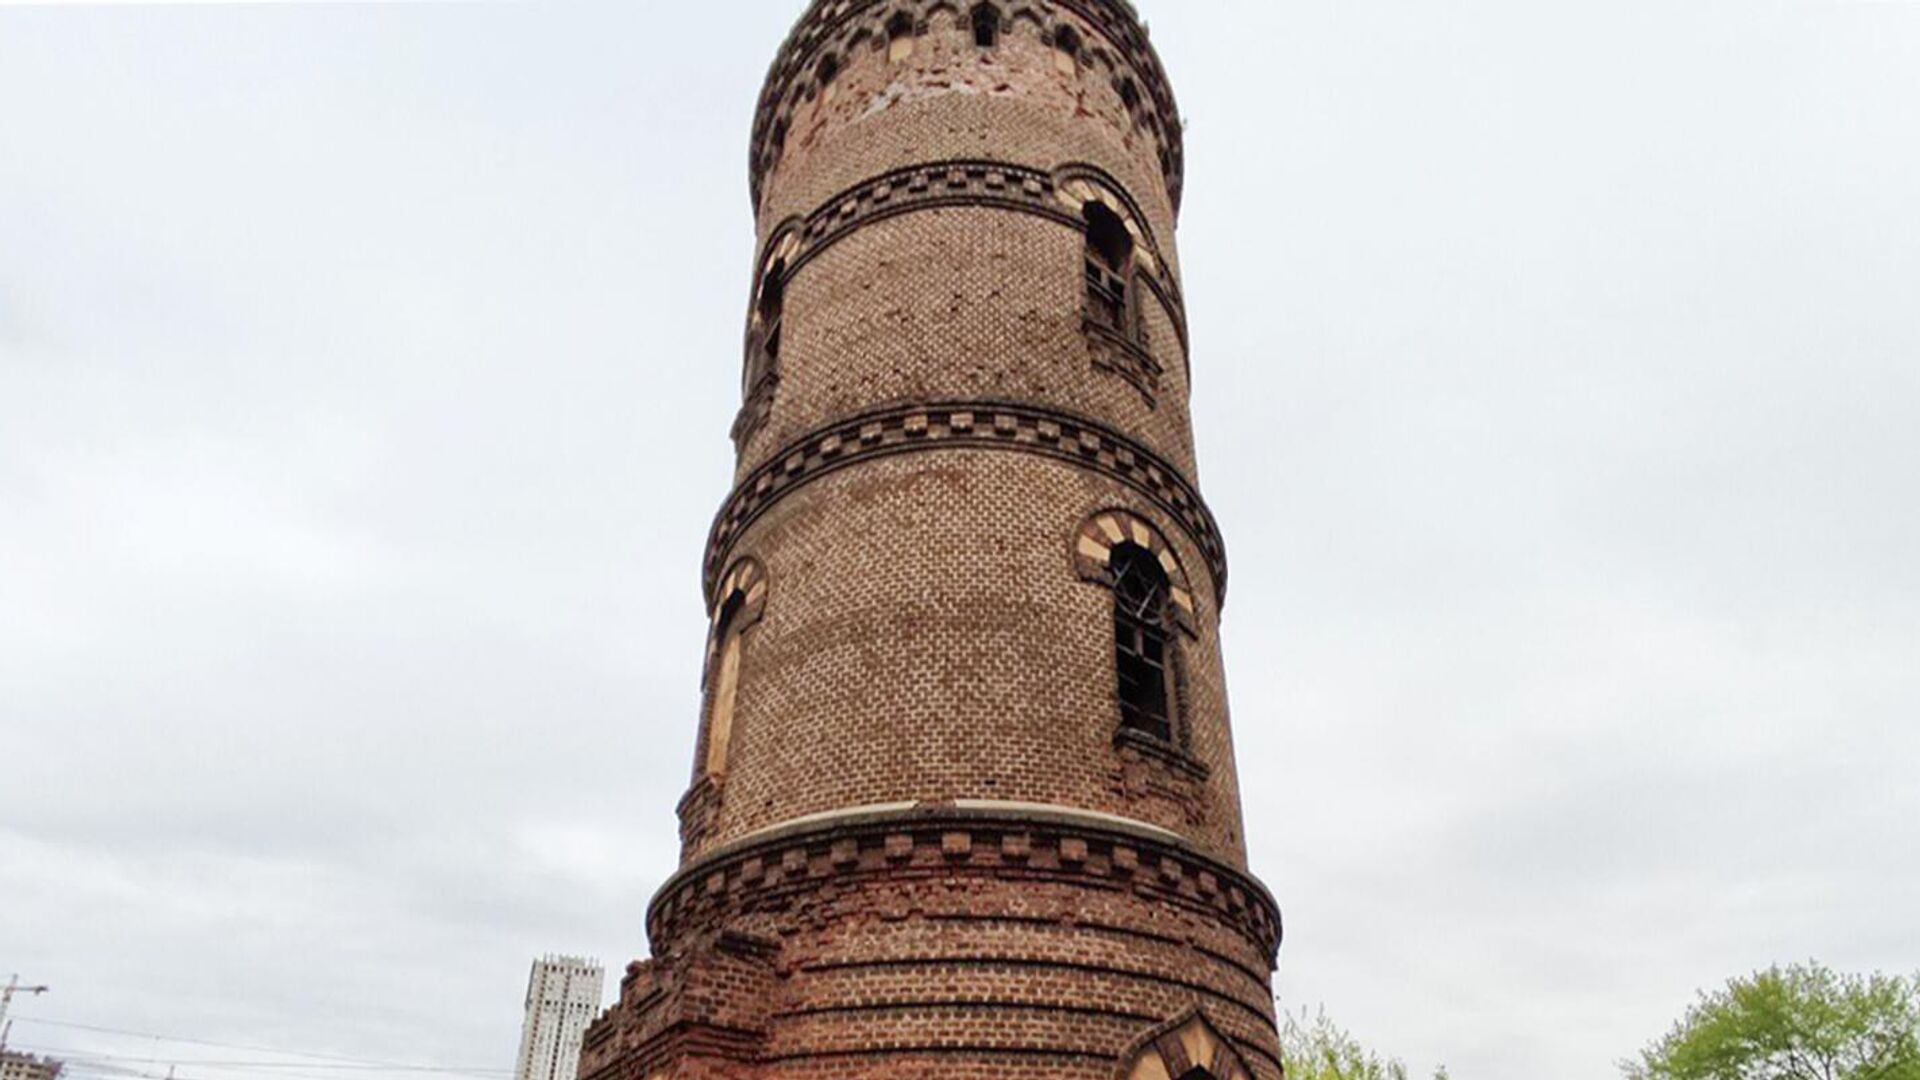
965	802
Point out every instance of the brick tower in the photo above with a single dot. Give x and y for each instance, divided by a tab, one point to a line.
964	804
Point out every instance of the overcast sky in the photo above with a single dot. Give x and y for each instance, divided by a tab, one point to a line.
365	377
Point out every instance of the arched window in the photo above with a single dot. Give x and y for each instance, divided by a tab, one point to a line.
771	311
899	36
744	598
726	688
986	26
1109	268
1143	645
1152	608
766	319
829	70
1066	44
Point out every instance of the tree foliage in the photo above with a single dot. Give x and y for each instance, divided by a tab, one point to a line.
1794	1023
1315	1048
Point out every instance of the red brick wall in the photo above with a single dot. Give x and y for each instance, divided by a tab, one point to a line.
928	854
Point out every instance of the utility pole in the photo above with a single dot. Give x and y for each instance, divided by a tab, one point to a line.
6	999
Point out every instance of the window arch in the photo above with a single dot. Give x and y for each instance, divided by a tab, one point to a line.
1152	607
743	600
1189	1048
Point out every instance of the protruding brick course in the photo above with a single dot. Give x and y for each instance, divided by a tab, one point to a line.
965	803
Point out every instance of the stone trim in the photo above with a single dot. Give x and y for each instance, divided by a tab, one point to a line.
965	425
1093	548
1057	196
839	26
947	841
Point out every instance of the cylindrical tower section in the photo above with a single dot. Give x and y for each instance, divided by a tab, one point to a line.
966	346
965	801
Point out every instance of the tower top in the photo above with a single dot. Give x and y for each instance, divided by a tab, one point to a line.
1106	35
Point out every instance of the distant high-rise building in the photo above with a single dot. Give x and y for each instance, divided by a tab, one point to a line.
27	1067
563	995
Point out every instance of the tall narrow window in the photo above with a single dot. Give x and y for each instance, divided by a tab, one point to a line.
986	26
1066	45
1143	642
725	686
771	312
899	37
745	590
1109	268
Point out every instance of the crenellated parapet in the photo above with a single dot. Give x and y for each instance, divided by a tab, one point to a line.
1103	38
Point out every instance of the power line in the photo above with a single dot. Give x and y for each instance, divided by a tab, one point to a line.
341	1059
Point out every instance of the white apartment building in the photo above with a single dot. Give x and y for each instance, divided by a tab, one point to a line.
27	1067
563	997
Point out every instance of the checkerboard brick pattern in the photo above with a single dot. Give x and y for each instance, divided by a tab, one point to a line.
919	842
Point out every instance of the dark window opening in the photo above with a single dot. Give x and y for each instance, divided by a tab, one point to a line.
1109	267
829	70
769	314
986	26
1129	95
1143	642
900	26
1067	40
1108	236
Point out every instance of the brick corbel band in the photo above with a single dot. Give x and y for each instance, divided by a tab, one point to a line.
966	425
997	185
988	840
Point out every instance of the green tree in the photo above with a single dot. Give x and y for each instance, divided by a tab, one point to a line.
1315	1048
1795	1023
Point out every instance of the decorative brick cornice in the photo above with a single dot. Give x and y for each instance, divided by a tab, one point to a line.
993	184
990	841
840	26
993	425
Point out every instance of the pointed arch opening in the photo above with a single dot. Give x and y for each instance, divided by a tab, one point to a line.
1188	1048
